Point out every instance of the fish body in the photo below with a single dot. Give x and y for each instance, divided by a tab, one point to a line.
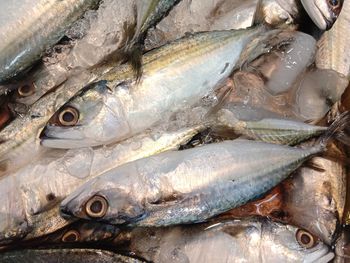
333	52
31	194
64	255
174	77
271	130
250	240
322	12
28	28
186	186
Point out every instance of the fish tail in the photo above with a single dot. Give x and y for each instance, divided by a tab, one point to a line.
335	130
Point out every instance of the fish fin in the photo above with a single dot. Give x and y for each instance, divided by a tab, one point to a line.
133	55
167	200
273	40
334	129
228	87
259	16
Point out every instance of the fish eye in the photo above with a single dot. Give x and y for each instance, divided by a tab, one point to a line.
305	239
71	236
96	207
26	90
68	116
334	3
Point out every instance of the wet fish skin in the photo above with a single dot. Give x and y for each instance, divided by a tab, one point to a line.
333	52
249	240
64	256
322	12
28	29
33	192
129	107
188	186
272	130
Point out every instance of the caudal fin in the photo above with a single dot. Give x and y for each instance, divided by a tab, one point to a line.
336	130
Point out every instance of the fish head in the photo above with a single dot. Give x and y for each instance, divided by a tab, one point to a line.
323	12
105	200
93	118
297	245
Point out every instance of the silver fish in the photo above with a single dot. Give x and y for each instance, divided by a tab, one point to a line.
252	240
28	28
323	12
31	195
174	77
198	16
273	130
64	256
188	186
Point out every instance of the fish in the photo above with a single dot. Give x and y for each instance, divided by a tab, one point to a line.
119	106
272	130
196	16
313	198
323	12
31	195
79	232
28	29
64	255
188	186
248	240
332	52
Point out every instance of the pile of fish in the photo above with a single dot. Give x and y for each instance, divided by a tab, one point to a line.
174	131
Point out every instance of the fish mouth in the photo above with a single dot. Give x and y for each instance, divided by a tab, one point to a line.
66	213
67	138
316	15
320	255
327	23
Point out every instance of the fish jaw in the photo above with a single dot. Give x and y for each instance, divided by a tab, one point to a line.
319	13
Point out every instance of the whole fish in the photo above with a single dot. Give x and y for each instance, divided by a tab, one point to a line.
28	28
333	53
64	256
323	12
313	198
273	130
32	194
196	16
250	240
175	76
188	186
79	232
